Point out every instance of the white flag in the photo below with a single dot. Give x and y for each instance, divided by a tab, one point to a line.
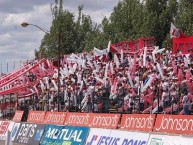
109	46
98	52
116	60
144	56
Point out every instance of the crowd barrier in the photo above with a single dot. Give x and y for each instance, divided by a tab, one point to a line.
62	128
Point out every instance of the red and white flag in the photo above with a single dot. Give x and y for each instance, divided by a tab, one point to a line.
175	32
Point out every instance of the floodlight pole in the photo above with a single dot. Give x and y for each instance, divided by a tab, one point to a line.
25	24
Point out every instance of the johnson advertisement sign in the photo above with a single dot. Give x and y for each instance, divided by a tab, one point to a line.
95	120
55	118
176	124
36	116
138	122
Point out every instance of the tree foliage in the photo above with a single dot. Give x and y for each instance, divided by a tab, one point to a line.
184	17
125	21
72	34
130	19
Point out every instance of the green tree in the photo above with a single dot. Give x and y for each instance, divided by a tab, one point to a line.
83	28
184	17
130	19
73	34
125	21
170	14
159	15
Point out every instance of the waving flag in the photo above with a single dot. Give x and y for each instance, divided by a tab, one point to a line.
175	32
98	52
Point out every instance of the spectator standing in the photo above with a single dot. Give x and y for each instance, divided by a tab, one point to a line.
186	103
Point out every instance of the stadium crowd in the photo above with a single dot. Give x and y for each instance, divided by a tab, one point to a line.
148	81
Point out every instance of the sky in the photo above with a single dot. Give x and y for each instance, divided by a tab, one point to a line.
17	44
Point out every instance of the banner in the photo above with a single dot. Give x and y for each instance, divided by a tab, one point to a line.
95	120
4	127
55	118
169	140
29	133
64	135
18	116
115	137
138	122
182	44
133	46
176	124
36	116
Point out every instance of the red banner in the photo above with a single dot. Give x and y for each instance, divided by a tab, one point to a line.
177	124
95	120
133	46
55	118
36	116
139	122
18	116
182	44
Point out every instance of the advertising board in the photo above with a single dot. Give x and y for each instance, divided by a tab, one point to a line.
64	135
36	116
15	130
138	122
18	116
94	120
4	127
55	118
175	124
100	120
156	139
116	137
78	119
29	133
